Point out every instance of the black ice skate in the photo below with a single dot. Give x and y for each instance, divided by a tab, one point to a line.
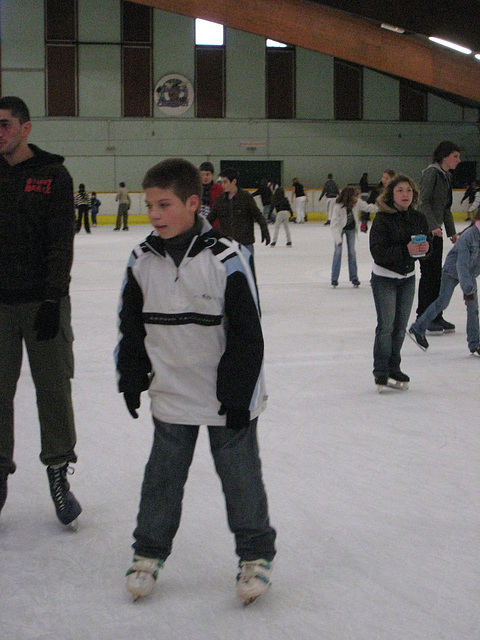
66	505
396	380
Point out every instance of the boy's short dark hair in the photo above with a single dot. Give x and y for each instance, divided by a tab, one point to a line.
207	166
230	173
444	149
17	107
177	174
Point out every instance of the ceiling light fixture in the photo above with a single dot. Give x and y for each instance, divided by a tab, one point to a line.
391	27
451	45
477	56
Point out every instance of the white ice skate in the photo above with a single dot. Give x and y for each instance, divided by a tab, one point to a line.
142	575
253	579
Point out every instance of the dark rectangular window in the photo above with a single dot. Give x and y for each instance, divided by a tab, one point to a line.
280	83
209	82
347	90
137	81
61	86
137	56
60	20
61	58
136	23
412	103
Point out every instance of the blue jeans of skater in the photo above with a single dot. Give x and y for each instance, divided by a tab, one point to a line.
447	288
352	256
237	462
393	302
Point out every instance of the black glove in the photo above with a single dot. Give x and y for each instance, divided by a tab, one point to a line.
236	418
47	320
266	236
132	400
468	296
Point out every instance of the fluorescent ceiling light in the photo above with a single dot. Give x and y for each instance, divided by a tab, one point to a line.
451	45
391	27
477	56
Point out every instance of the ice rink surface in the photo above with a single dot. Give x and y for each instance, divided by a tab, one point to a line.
375	498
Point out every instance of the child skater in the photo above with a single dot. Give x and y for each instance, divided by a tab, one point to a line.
282	206
95	207
393	274
462	265
344	222
190	333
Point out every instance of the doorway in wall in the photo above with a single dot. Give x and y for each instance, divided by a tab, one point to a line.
252	171
464	174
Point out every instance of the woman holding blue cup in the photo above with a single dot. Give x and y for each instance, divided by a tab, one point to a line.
398	236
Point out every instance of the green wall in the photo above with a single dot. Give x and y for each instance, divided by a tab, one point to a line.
101	148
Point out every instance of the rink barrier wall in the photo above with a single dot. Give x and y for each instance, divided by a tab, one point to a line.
316	209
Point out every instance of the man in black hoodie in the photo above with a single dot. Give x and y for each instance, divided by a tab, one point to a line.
36	251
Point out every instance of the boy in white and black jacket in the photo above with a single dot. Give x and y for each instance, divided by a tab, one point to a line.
191	334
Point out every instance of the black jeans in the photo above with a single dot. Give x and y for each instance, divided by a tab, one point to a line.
83	213
431	277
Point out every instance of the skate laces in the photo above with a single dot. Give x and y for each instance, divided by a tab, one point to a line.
59	485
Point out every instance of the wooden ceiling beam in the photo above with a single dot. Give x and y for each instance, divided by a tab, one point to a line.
340	34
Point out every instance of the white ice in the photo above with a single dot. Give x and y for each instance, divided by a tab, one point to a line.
375	498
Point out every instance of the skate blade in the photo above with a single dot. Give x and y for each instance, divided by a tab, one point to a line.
72	526
394	384
249	601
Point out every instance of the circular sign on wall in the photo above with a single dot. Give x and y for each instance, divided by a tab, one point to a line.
173	94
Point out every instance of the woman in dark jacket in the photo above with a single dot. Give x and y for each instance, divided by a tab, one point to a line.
394	252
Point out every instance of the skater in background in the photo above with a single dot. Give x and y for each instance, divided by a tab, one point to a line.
470	193
462	266
393	274
265	194
474	205
82	204
37	218
210	189
377	191
185	262
364	185
95	207
237	211
330	191
344	222
300	201
124	204
435	204
281	206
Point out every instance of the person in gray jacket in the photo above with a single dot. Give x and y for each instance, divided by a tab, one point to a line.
435	204
462	266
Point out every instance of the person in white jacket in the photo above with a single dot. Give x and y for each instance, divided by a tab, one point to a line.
344	222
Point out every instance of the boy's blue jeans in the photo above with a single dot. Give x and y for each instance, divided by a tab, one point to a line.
447	288
237	462
393	301
352	256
